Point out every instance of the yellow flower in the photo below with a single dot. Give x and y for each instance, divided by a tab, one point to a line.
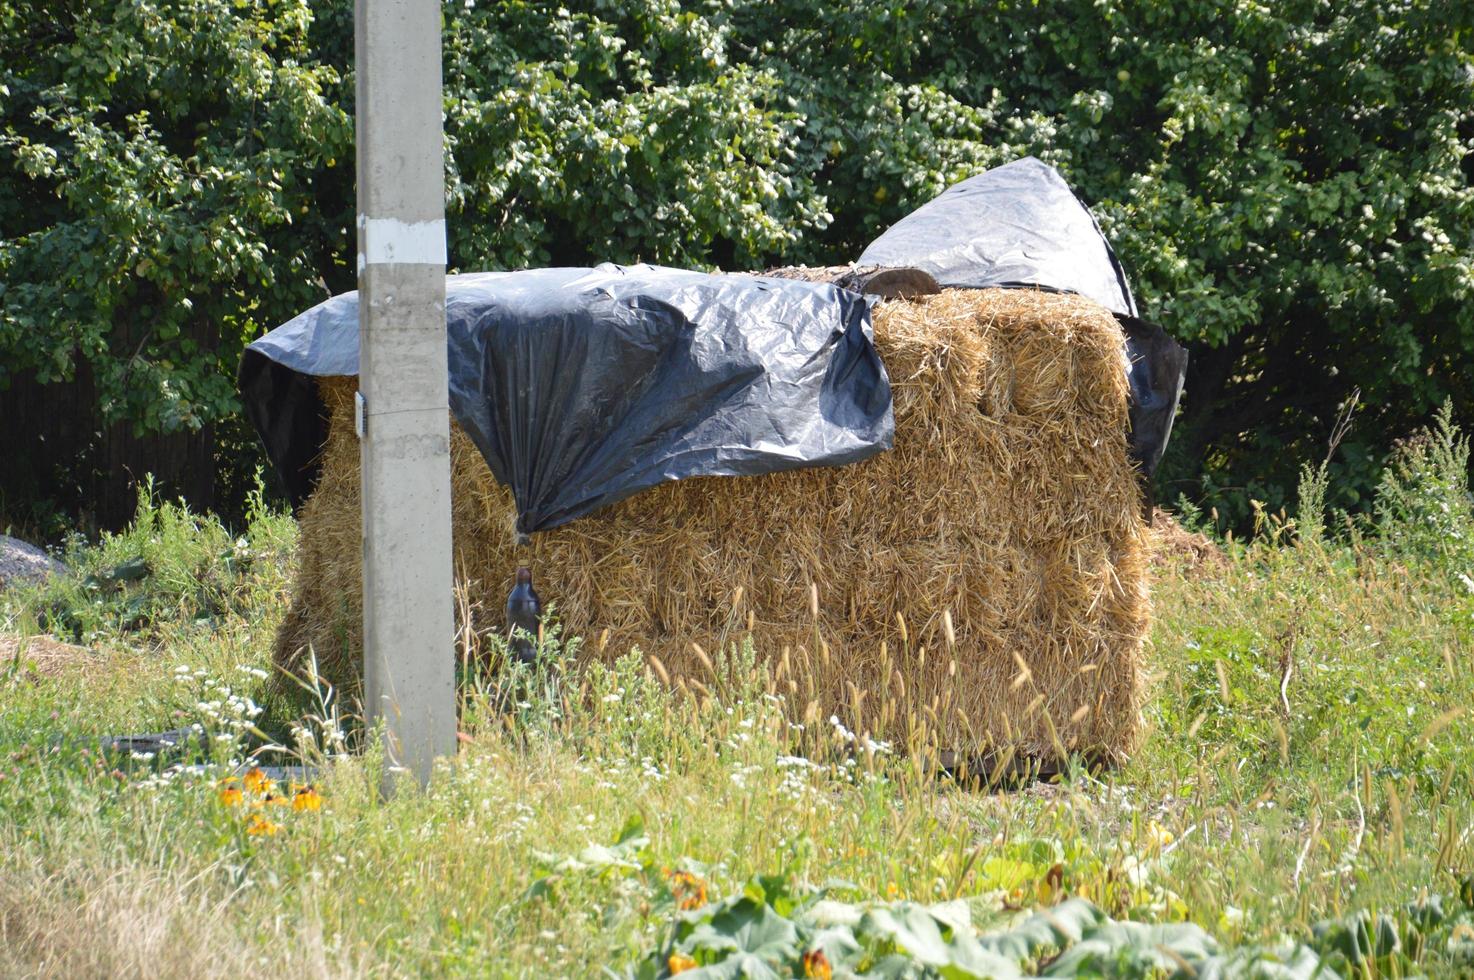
1158	835
679	963
274	799
688	890
891	889
307	798
257	781
816	964
231	796
259	826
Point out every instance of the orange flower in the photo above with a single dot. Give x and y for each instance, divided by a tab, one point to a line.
307	798
688	890
816	964
680	963
257	781
259	826
274	799
231	796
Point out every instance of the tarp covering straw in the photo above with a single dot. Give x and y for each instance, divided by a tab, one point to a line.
584	386
981	586
1021	225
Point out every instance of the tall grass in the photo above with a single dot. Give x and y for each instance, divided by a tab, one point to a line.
1309	756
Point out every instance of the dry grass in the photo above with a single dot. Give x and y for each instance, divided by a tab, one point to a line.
1193	549
44	656
982	586
91	920
136	923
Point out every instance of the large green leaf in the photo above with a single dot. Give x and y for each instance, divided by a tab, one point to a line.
1134	946
1256	963
911	928
1044	931
747	928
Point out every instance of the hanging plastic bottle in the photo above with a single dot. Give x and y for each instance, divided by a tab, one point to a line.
524	615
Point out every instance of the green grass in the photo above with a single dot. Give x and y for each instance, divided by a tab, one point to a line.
1309	759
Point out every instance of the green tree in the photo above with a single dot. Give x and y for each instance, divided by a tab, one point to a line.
624	132
1290	185
165	194
174	178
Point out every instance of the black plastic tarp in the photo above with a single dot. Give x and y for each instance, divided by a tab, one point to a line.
584	386
1020	225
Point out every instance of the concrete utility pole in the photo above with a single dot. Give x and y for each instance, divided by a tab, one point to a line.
404	432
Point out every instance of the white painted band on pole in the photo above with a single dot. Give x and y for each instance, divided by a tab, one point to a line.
386	241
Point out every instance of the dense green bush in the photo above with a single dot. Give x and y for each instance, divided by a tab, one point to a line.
1289	185
166	170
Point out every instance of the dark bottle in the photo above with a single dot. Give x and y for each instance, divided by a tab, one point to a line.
524	609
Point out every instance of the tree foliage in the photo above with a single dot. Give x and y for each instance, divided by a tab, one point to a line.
166	163
1290	185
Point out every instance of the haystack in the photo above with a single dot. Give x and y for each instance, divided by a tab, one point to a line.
984	582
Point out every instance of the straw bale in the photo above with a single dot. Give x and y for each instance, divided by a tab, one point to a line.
1009	505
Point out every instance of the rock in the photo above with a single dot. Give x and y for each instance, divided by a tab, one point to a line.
159	744
21	562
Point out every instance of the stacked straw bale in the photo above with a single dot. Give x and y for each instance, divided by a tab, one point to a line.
983	584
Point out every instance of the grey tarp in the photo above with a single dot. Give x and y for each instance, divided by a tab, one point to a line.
1020	225
584	386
